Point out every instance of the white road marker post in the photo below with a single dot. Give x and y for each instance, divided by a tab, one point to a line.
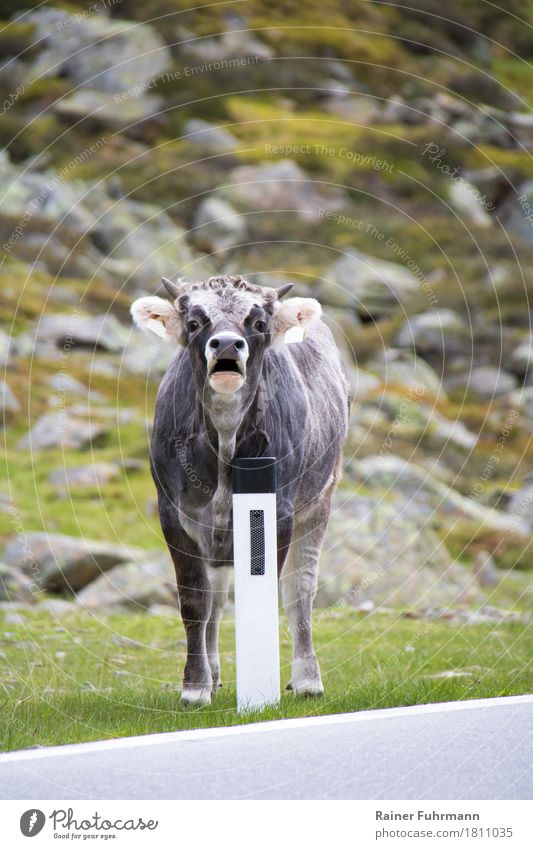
256	582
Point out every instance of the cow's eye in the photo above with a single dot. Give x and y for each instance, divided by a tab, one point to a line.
260	326
193	325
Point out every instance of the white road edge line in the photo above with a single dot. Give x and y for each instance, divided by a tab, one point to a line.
258	728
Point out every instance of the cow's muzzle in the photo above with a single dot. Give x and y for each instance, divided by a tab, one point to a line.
226	355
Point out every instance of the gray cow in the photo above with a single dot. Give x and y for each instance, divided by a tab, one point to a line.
237	388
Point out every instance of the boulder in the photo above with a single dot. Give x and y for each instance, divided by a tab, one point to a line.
5	342
87	331
466	199
521	361
279	185
209	137
217	225
397	367
95	475
138	117
376	553
15	585
65	563
373	287
96	52
427	495
134	585
9	404
489	382
442	332
62	429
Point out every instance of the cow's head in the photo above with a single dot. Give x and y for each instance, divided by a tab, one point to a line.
227	324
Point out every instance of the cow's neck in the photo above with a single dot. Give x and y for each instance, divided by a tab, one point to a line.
226	413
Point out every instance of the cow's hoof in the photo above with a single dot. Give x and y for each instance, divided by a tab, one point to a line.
196	696
289	686
309	689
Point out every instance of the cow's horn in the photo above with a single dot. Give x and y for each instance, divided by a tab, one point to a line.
173	290
283	290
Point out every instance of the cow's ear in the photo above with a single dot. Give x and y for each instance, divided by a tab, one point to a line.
157	316
295	313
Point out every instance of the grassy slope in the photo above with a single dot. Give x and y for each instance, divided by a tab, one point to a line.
380	660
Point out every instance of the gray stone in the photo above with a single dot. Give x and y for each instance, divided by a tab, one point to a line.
466	199
521	361
279	185
93	331
490	382
209	137
137	586
376	552
5	342
397	366
62	429
96	52
95	475
61	562
217	225
15	585
9	404
441	332
135	116
373	287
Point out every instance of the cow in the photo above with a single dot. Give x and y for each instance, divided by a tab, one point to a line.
238	387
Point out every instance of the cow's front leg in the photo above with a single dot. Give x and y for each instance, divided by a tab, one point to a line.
194	590
298	584
195	599
219	592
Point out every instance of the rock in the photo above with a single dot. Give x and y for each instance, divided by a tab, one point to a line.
96	52
92	331
217	225
225	47
441	332
145	356
142	237
373	287
95	475
466	199
375	552
5	342
279	185
15	585
520	504
485	570
522	399
522	358
208	137
428	496
138	117
9	404
63	562
135	586
62	429
402	367
488	382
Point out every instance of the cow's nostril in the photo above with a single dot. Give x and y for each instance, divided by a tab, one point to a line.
239	344
213	343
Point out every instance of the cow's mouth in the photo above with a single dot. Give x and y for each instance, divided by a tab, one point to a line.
226	376
226	367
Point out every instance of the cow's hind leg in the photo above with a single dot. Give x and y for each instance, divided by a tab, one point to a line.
298	585
219	593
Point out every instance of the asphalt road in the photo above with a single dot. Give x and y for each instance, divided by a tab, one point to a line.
479	749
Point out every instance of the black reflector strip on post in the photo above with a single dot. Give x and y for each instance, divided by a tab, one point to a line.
257	542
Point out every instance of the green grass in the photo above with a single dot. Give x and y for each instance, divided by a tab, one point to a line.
368	661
